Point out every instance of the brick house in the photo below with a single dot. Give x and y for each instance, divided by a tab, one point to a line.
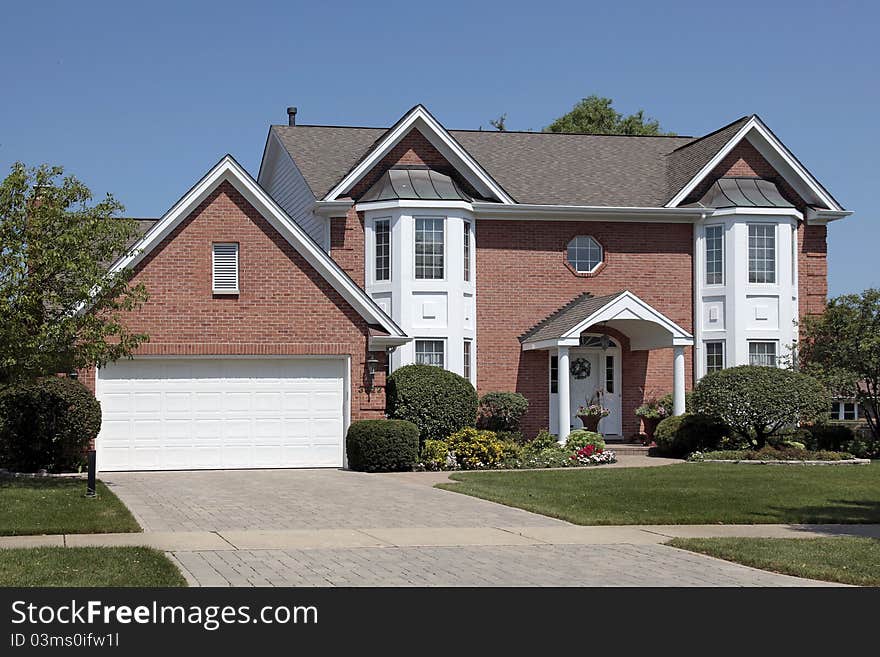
566	267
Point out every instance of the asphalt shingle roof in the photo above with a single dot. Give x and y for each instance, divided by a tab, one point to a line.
533	167
566	318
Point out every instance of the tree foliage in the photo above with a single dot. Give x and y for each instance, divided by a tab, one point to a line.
841	347
595	115
60	305
758	402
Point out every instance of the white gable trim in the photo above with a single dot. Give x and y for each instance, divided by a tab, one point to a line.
421	119
228	170
628	306
760	136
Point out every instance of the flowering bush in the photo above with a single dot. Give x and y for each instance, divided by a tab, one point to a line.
592	455
581	438
475	449
435	455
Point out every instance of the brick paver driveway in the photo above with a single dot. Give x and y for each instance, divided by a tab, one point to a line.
300	499
431	537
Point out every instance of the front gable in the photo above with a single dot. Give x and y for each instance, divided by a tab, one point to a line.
751	138
228	204
406	139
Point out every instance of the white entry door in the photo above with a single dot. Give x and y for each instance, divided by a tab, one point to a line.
218	413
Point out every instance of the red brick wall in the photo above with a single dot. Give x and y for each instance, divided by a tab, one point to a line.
285	306
522	278
745	161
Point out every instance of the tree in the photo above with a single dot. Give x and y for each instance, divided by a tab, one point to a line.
500	124
841	347
61	306
759	402
595	115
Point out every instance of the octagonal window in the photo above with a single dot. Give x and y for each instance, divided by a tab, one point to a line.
584	254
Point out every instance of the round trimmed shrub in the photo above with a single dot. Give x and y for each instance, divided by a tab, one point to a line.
681	435
437	401
47	424
580	438
382	445
759	402
501	411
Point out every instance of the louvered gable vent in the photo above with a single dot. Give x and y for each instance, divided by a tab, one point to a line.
225	269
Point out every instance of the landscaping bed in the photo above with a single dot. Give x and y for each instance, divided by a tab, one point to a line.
848	560
778	456
58	505
697	493
87	566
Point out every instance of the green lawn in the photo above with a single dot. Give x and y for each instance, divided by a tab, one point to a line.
688	493
59	506
86	566
848	560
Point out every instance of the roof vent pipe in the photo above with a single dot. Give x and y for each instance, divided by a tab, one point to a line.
291	116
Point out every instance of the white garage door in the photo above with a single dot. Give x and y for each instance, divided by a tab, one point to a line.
175	414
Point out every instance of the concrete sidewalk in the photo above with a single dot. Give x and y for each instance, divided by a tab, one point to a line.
397	537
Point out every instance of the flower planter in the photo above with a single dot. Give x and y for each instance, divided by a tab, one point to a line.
650	427
590	422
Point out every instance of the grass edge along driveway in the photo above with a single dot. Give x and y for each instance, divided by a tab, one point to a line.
686	494
844	559
58	505
87	566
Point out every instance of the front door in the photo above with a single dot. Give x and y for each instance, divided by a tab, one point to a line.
585	381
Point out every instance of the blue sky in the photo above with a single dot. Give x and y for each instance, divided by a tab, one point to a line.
140	99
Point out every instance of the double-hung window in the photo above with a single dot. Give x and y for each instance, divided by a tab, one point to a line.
715	255
430	352
762	353
429	248
714	356
762	253
383	249
466	354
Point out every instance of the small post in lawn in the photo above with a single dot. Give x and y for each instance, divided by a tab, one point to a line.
90	486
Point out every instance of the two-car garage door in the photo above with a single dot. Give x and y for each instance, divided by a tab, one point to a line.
180	414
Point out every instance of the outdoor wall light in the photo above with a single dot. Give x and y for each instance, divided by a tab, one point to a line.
372	362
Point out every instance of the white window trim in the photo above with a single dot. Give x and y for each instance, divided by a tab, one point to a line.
468	362
601	254
775	252
706	344
772	341
467	250
415	231
225	290
706	256
374	250
443	341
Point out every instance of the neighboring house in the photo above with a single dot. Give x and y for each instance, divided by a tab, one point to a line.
555	265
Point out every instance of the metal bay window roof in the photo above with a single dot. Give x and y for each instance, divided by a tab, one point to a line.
416	184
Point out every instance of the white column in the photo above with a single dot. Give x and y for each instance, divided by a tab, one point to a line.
678	381
564	414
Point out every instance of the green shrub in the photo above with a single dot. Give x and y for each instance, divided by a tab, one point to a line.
759	402
501	411
580	438
382	445
679	435
543	440
834	437
434	453
47	424
437	401
475	449
864	446
511	437
768	453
